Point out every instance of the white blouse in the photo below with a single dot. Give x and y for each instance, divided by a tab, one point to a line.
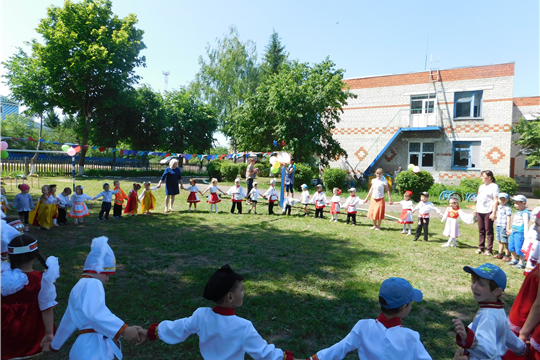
378	188
485	198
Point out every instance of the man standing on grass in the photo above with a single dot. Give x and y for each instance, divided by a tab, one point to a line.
251	173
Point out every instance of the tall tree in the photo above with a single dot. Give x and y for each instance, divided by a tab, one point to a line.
227	78
89	54
529	139
190	123
274	57
300	105
52	120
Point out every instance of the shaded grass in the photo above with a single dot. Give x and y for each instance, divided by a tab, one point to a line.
307	283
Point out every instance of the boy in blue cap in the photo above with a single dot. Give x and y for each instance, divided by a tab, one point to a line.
384	337
488	336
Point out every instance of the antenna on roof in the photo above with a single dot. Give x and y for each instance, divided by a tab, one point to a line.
427	44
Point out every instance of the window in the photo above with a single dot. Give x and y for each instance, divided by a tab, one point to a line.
532	167
468	104
466	155
421	154
422	104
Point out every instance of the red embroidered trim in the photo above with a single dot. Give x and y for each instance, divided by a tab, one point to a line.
491	305
152	332
120	332
223	311
287	355
469	342
389	323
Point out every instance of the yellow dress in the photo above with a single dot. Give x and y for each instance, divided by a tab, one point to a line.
148	201
42	215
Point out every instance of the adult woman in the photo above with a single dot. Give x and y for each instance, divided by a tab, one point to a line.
376	207
172	179
486	211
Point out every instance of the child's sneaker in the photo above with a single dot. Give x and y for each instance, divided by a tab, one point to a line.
409	233
506	258
403	232
249	211
498	256
519	266
513	262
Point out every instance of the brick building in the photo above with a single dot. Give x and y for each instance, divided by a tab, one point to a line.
453	123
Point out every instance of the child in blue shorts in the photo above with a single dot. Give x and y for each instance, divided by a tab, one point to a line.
520	225
504	227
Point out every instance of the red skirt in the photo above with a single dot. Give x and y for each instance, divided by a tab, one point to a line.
213	198
193	198
406	217
132	204
334	208
376	209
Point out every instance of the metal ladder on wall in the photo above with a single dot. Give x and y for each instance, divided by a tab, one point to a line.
434	73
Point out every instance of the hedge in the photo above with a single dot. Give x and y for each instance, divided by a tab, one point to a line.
333	178
415	182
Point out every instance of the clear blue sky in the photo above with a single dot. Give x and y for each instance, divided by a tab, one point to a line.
363	37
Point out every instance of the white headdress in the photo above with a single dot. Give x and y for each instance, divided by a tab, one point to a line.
101	258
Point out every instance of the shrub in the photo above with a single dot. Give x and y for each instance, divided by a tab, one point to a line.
214	170
229	171
507	184
242	167
536	192
303	175
334	178
469	186
122	173
264	168
415	182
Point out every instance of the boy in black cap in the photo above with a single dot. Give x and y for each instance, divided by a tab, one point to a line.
222	334
424	207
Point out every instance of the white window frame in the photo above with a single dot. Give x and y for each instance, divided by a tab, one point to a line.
473	148
474	95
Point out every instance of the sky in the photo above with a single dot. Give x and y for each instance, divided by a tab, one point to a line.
363	37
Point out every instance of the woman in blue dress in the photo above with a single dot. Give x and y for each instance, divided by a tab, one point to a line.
172	179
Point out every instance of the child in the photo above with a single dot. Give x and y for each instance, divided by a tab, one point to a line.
304	198
335	204
52	201
237	193
376	210
520	226
132	205
98	328
24	204
424	207
106	203
489	335
119	198
147	199
41	216
384	337
504	227
63	203
451	229
272	195
222	334
79	210
193	198
4	200
213	198
350	206
288	203
406	217
530	246
254	196
28	299
319	199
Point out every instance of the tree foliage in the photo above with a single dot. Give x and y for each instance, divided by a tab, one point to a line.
274	57
529	139
300	105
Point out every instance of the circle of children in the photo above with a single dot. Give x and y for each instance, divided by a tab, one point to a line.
29	297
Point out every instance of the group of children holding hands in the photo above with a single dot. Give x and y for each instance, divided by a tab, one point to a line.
28	299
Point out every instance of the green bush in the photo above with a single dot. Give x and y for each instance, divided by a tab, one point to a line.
122	173
536	192
303	175
242	167
415	182
264	168
229	171
507	184
469	186
334	178
214	170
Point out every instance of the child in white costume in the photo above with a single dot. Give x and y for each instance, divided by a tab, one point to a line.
335	204
254	196
350	206
489	335
319	199
238	194
406	217
213	198
304	198
272	195
451	215
98	328
193	198
530	248
424	207
79	210
384	337
222	334
288	203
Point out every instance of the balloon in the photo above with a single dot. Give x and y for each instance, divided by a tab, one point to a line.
3	145
276	165
273	159
410	167
4	154
284	157
275	143
77	149
275	170
71	152
66	147
416	169
282	143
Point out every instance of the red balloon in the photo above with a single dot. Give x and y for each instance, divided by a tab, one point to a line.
77	149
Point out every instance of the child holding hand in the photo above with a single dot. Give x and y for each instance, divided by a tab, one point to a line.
254	196
63	203
406	217
132	205
319	199
350	206
424	207
24	204
335	204
119	198
503	226
272	195
304	198
107	195
193	198
238	194
79	210
213	198
451	215
147	199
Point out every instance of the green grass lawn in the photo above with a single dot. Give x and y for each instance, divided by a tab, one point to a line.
307	282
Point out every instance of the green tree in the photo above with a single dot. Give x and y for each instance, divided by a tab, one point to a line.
274	57
227	78
19	126
52	120
88	54
300	105
190	123
529	139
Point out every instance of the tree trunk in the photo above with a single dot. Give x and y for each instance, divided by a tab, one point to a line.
84	149
113	166
34	158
